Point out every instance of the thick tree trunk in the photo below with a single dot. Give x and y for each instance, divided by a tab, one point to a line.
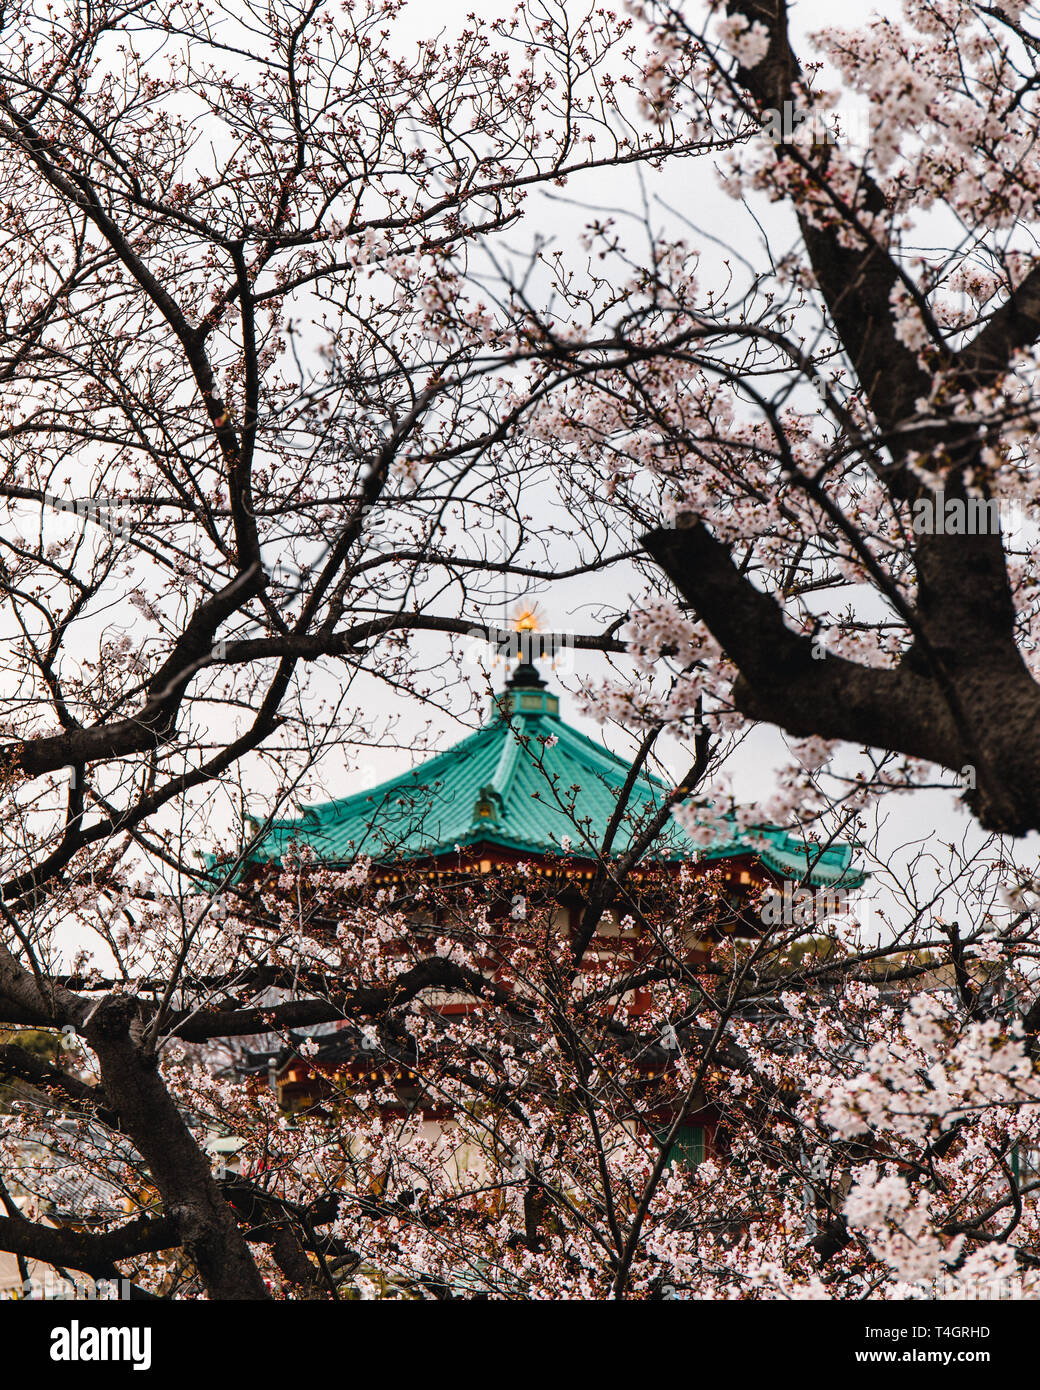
192	1200
968	702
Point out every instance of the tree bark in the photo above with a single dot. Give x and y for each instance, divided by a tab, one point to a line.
205	1224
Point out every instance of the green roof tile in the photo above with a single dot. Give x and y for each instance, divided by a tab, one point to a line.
530	782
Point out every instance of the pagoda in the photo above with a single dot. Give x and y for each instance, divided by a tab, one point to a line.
526	802
527	787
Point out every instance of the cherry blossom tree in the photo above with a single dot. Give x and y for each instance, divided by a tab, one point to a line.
827	437
254	401
496	1110
872	1111
830	452
278	396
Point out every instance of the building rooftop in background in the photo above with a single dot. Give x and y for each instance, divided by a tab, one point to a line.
526	784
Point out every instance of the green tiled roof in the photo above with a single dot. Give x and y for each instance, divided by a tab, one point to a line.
789	855
526	781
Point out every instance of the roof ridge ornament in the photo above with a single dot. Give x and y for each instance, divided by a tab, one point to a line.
488	806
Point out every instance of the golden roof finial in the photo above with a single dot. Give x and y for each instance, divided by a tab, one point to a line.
525	617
